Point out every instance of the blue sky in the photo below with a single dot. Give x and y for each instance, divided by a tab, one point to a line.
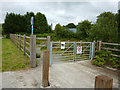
61	12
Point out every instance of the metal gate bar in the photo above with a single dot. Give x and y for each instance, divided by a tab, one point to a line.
71	51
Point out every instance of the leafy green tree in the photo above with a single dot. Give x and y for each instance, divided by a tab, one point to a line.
71	25
118	19
16	23
13	23
106	28
63	32
83	29
28	16
41	25
58	30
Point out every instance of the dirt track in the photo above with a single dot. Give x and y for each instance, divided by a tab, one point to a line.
65	75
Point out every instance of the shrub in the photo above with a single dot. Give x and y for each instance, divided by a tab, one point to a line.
99	61
105	58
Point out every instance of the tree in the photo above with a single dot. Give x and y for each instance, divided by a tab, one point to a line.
83	29
28	16
63	32
106	27
16	23
41	25
13	23
71	25
118	20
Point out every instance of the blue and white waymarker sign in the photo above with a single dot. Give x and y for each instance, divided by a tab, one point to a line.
31	20
79	49
32	25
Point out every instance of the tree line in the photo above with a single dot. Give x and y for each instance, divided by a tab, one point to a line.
16	23
106	28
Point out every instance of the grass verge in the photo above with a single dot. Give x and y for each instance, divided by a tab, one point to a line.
12	57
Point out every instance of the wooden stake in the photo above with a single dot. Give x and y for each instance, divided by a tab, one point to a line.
45	77
20	42
119	79
100	43
48	43
24	45
33	51
94	49
103	82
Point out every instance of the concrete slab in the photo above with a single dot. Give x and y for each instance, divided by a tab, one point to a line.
79	74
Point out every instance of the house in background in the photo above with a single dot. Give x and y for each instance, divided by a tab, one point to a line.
73	29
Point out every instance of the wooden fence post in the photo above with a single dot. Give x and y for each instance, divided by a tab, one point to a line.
45	76
94	49
33	51
24	45
97	45
100	43
103	82
14	38
17	40
59	44
75	51
20	42
119	80
48	43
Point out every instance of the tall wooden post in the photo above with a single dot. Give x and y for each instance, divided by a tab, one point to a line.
14	38
24	45
94	49
45	76
100	43
59	44
20	42
75	51
33	51
17	40
48	43
103	82
119	79
97	45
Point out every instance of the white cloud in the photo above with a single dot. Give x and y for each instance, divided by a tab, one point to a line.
60	12
59	0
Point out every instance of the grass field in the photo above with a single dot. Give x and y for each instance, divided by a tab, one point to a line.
12	57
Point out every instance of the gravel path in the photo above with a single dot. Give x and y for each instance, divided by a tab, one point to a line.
79	74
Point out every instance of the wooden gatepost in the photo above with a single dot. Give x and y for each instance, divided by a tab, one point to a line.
103	82
45	74
33	51
119	79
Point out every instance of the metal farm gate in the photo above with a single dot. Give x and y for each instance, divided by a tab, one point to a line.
70	51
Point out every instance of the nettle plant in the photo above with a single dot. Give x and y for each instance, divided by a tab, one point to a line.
104	58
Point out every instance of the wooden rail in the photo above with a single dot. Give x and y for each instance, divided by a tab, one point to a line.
111	49
115	55
23	44
111	43
100	46
41	38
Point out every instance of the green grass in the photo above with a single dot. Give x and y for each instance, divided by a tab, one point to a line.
12	57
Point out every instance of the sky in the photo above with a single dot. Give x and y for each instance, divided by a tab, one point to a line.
60	11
